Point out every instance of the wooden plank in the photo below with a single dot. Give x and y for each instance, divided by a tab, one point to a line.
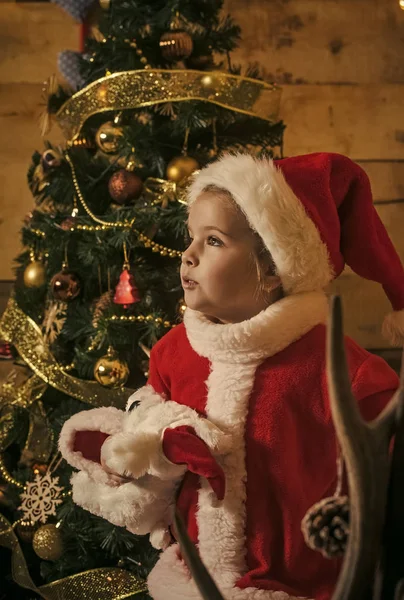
359	121
326	41
365	304
31	36
20	106
386	178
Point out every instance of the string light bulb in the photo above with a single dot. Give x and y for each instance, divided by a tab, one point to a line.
401	4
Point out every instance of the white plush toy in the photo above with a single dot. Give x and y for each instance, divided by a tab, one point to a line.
131	444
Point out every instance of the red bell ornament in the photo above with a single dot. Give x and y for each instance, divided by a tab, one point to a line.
126	292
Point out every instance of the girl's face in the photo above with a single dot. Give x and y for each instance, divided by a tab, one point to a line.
218	271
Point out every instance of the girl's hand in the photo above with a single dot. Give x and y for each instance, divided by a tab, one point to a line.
115	478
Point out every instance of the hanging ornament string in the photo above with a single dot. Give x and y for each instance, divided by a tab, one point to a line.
326	525
185	144
213	152
126	264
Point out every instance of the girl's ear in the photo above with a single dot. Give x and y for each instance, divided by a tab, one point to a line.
272	282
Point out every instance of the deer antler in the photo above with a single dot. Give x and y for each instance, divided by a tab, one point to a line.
365	447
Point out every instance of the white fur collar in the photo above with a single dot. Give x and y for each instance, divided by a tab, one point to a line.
264	335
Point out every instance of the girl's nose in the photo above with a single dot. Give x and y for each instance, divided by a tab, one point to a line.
188	258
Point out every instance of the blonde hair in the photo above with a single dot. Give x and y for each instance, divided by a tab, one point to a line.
260	251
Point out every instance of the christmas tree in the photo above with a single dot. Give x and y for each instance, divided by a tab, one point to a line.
155	97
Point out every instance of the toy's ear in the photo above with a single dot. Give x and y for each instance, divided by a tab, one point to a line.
182	446
89	443
83	435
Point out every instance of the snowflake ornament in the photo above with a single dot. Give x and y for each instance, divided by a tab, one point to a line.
40	498
54	320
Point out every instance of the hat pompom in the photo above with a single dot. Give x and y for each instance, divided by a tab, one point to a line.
393	328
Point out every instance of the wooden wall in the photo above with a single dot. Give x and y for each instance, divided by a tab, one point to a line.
31	35
341	67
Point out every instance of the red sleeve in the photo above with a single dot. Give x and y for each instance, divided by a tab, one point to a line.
156	378
373	386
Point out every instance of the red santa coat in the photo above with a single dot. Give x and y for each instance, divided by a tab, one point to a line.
264	383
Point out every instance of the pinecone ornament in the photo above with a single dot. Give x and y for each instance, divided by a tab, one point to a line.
325	526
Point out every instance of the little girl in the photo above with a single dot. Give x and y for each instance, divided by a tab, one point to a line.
248	364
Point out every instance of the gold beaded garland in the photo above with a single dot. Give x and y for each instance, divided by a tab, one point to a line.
6	475
140	319
104	225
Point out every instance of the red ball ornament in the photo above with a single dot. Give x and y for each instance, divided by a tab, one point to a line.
126	291
68	224
40	468
5	351
125	186
65	285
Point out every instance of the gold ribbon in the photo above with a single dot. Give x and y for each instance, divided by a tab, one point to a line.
147	87
40	439
106	583
21	331
39	442
162	191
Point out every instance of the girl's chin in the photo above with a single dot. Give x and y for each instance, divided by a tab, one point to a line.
192	301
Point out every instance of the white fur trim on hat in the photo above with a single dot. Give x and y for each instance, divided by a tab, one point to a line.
276	214
393	328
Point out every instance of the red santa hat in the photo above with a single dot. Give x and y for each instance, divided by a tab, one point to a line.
314	213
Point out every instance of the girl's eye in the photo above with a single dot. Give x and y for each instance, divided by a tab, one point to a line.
188	239
214	241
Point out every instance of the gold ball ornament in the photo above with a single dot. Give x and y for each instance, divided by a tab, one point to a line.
181	167
47	542
109	137
34	274
110	371
176	45
210	81
181	307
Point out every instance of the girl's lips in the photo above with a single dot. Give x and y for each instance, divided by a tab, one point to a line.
188	284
